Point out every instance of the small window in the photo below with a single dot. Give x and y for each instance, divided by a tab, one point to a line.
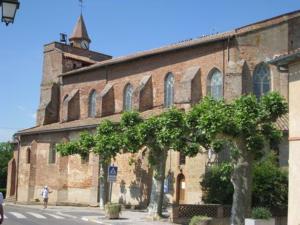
215	84
181	158
66	96
52	154
128	92
92	104
169	90
28	155
261	80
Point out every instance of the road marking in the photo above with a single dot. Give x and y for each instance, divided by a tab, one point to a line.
5	217
66	215
95	221
54	216
18	215
36	215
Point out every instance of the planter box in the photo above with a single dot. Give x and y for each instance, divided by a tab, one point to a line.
204	222
112	215
112	210
259	222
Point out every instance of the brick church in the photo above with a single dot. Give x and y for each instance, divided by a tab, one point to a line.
81	87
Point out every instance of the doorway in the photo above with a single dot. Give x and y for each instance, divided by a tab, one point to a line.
13	178
180	189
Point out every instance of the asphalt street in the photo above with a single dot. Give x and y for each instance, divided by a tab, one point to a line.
22	215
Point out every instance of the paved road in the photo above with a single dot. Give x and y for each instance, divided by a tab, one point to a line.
22	215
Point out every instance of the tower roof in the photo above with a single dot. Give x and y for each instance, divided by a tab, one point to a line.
80	31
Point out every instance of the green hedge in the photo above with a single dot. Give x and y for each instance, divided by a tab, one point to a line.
270	185
217	186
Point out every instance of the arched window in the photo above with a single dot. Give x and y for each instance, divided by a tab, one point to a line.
169	90
261	80
28	155
127	101
215	84
92	104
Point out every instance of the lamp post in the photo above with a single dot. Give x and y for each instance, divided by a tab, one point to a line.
9	9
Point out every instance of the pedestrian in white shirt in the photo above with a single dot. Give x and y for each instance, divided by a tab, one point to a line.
45	195
1	208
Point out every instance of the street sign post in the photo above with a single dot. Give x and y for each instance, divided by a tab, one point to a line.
112	177
112	173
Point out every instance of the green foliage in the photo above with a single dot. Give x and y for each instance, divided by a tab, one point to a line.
82	146
110	138
196	220
113	208
216	184
108	141
246	120
129	127
261	213
270	184
166	131
6	153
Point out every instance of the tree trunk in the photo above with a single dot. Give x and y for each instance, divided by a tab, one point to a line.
103	186
242	182
157	189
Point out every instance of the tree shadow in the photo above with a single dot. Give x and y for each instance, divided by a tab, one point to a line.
140	189
123	191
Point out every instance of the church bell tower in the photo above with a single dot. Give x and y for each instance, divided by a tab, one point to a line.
80	37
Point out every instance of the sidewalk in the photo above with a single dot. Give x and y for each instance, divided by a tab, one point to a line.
128	218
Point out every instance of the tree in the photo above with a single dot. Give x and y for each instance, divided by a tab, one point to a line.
160	134
245	127
108	140
6	153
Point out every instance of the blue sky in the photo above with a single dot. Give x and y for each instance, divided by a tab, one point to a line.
116	27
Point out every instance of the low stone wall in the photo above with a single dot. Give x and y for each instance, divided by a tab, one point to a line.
182	214
210	210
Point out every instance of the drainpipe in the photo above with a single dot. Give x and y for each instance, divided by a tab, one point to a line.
18	163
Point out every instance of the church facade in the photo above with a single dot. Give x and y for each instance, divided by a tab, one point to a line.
81	87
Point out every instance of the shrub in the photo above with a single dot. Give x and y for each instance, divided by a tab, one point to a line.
216	184
270	184
261	213
113	210
6	153
196	220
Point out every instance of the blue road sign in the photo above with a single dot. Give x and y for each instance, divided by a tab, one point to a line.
112	173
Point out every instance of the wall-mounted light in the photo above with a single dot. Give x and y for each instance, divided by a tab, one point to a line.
9	9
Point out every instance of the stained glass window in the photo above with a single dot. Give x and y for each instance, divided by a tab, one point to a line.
128	92
261	80
215	84
92	104
169	90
